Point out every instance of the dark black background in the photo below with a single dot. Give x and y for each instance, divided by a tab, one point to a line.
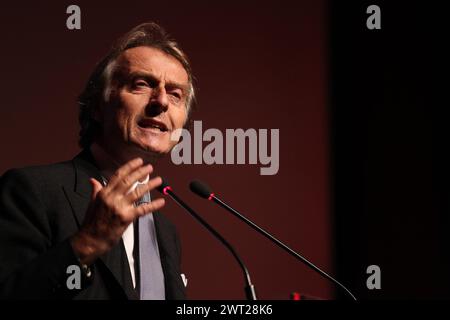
390	148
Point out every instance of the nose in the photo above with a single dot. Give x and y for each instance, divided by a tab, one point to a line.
159	99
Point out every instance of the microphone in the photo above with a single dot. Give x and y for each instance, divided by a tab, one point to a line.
203	191
250	292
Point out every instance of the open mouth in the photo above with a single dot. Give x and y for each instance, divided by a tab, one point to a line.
152	123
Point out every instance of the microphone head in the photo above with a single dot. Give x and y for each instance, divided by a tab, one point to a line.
163	187
200	189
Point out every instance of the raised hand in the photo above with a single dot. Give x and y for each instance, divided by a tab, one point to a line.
112	209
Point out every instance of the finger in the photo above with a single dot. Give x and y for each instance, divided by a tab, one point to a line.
124	185
124	171
96	187
146	208
137	193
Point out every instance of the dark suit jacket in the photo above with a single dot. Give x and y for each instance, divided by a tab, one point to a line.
40	208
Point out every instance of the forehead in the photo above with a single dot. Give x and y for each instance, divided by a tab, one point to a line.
153	61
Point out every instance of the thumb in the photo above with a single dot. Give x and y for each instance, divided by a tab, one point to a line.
96	187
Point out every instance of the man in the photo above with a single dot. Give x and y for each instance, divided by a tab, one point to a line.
95	212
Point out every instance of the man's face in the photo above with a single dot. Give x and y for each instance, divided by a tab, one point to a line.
147	103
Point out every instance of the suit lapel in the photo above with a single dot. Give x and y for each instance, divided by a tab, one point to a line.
115	260
84	167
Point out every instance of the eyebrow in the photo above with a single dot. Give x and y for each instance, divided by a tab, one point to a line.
153	78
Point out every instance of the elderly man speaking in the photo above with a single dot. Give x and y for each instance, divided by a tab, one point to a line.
95	213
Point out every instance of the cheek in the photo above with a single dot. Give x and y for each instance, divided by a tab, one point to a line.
123	120
127	109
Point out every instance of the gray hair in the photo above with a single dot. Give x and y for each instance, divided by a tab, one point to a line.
98	88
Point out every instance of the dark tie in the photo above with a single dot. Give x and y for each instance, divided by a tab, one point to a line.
151	273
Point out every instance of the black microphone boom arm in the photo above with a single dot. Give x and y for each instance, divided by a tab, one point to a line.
203	191
250	292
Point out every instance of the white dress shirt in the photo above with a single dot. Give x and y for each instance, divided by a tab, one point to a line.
128	235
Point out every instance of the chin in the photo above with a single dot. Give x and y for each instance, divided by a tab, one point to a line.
151	148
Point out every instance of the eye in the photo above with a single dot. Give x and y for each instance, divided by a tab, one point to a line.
140	83
176	94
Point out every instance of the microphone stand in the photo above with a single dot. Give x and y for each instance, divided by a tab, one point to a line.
250	292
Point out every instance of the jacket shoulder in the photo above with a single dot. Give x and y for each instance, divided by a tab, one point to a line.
40	175
43	183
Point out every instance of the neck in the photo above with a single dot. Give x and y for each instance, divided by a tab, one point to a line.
105	161
107	164
110	159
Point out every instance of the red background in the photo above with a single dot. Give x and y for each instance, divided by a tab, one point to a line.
258	65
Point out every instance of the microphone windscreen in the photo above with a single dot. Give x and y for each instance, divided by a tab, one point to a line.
200	189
